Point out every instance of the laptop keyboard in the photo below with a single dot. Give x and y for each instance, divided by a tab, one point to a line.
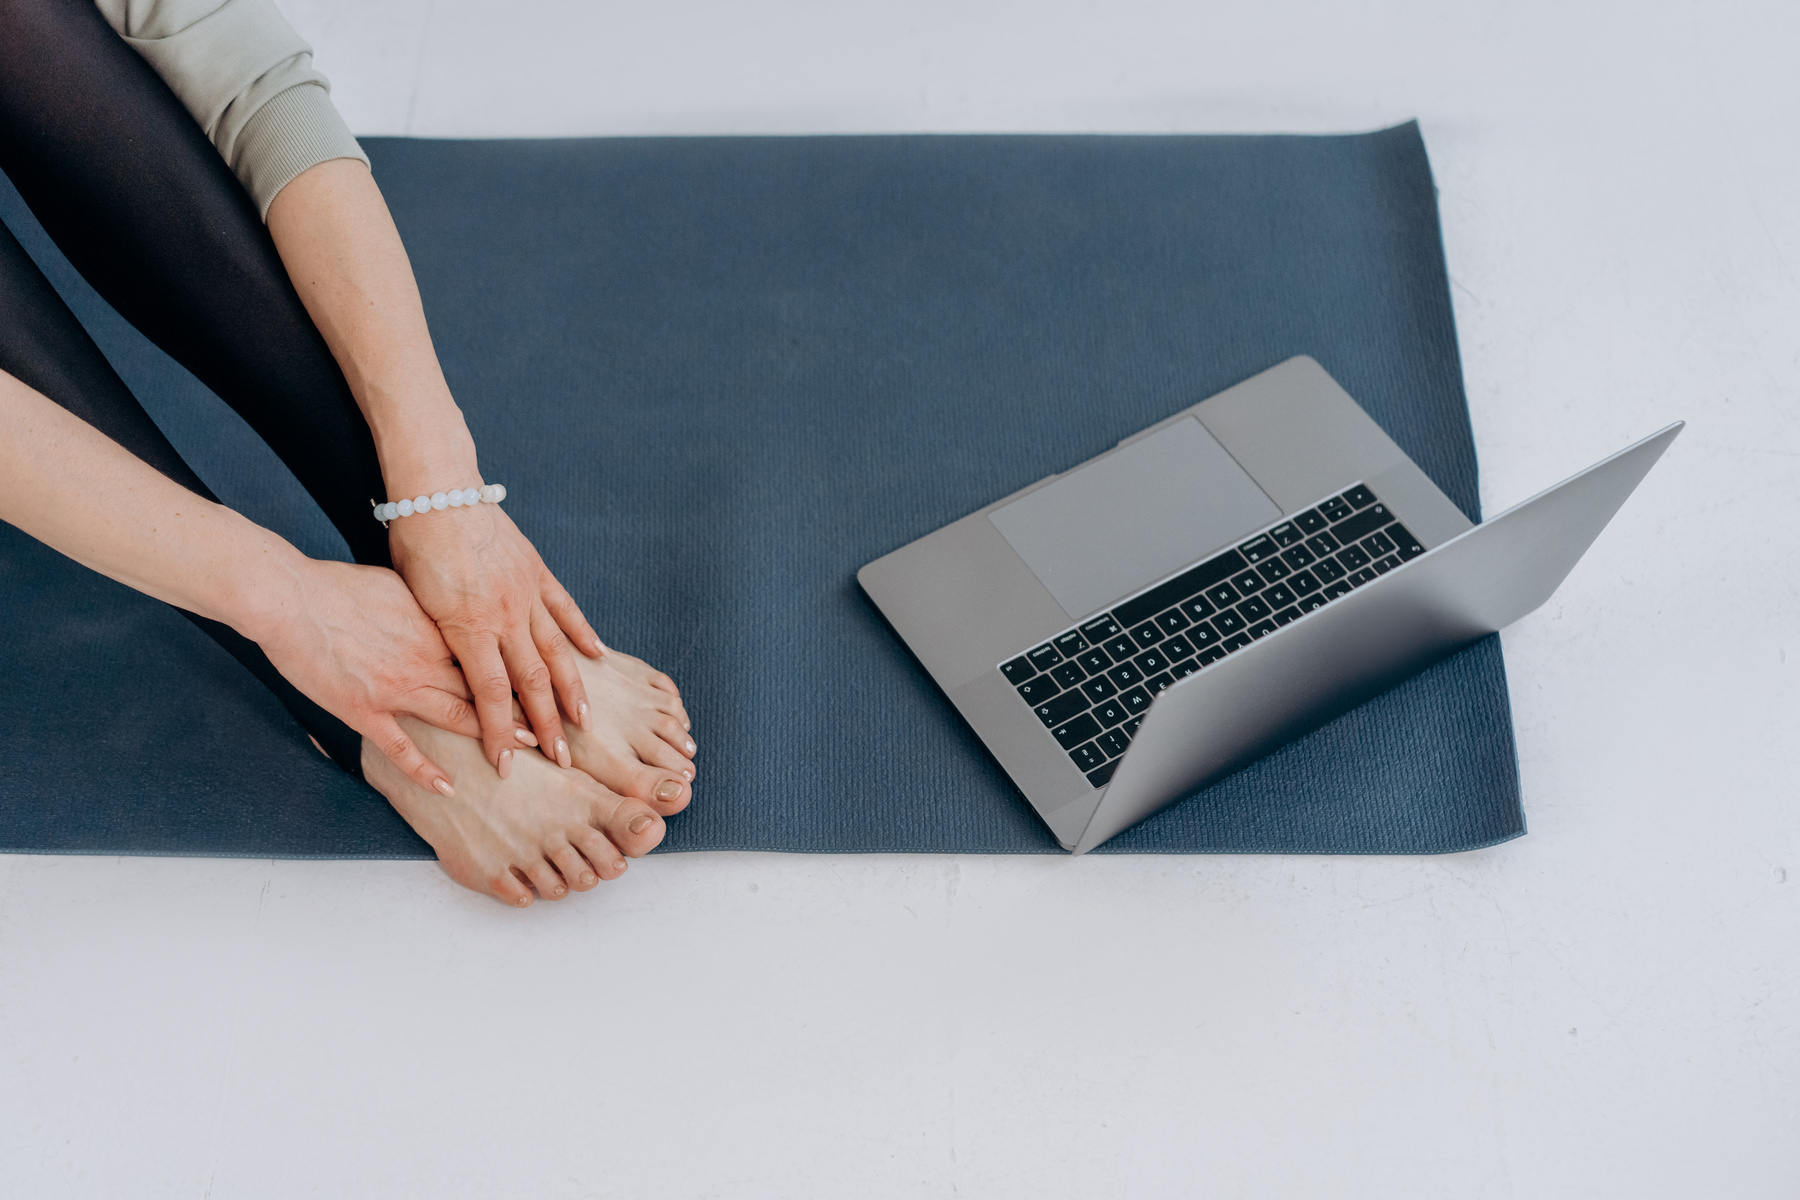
1092	685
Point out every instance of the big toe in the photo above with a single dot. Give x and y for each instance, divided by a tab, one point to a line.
633	826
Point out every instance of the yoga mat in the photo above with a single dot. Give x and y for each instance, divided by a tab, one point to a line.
719	374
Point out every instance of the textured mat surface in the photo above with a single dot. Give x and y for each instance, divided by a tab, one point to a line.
717	376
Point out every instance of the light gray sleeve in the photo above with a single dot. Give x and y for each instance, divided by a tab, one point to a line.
247	78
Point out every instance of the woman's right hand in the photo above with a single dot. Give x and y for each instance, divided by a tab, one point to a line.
356	642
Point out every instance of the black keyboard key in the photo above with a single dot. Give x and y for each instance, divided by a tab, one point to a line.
1018	670
1254	609
1406	545
1072	733
1095	661
1321	544
1366	575
1068	674
1111	712
1131	727
1228	622
1125	675
1182	670
1178	648
1289	614
1279	595
1098	689
1236	641
1341	588
1384	565
1263	547
1310	521
1114	742
1070	643
1036	691
1335	509
1272	570
1054	712
1327	570
1152	661
1088	758
1359	497
1101	628
1121	648
1298	557
1313	602
1044	657
1136	701
1159	684
1202	635
1222	595
1172	621
1286	535
1211	654
1362	524
1197	607
1353	557
1248	583
1103	776
1378	544
1188	583
1147	634
1262	628
1304	583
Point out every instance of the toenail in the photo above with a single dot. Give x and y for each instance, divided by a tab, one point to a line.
588	877
443	785
668	789
619	866
558	890
690	745
639	822
689	775
523	901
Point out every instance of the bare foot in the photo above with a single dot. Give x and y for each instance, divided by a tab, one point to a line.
542	827
637	741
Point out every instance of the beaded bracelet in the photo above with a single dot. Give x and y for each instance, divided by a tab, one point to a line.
491	493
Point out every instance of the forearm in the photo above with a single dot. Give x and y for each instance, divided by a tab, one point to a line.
76	490
345	257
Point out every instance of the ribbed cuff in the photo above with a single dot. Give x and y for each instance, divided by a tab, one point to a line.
297	129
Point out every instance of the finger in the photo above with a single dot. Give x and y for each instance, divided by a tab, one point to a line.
448	712
486	672
385	733
531	679
565	676
567	614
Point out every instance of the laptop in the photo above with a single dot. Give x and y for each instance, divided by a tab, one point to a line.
1128	631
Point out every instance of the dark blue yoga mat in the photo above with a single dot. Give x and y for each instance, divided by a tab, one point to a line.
718	375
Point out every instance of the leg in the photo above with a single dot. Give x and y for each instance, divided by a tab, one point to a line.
141	203
44	346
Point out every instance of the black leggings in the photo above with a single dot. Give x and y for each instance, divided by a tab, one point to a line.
140	202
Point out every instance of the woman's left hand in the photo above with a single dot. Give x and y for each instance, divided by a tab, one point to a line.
510	624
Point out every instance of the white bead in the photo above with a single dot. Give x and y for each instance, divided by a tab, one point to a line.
421	504
499	492
490	493
471	496
440	501
389	511
403	509
452	498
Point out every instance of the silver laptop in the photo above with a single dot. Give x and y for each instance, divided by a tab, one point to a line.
1124	633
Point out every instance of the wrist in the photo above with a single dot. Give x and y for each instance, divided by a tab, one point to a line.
269	595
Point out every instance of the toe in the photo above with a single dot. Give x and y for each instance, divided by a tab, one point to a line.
509	889
605	857
632	826
546	880
576	871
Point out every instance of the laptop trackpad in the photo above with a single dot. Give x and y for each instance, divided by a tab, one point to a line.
1113	526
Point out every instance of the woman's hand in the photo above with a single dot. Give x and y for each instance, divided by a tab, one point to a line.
357	643
505	617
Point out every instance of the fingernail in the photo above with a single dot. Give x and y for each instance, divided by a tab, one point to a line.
668	789
505	763
443	785
639	822
562	754
589	878
526	736
690	745
581	717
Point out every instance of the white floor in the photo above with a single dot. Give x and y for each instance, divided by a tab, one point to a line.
1607	1007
